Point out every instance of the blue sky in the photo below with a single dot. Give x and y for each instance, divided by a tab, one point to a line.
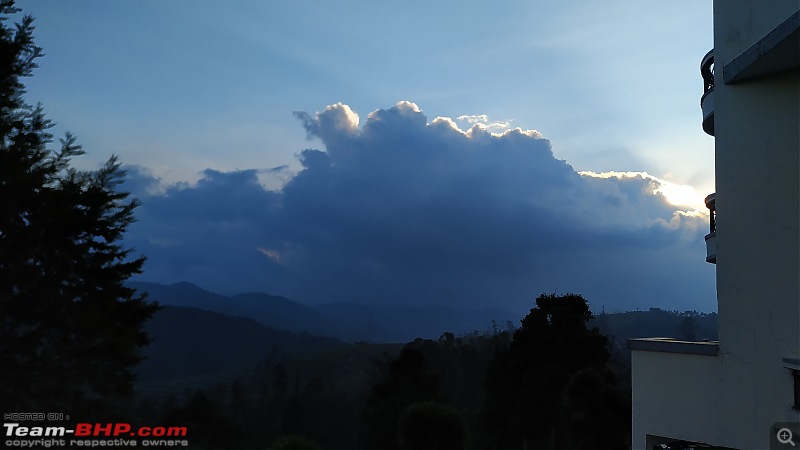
178	88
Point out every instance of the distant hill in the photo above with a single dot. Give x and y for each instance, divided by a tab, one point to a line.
191	341
657	322
269	310
355	322
393	323
199	333
348	321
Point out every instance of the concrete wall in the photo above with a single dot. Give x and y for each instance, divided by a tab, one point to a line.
738	24
758	251
666	390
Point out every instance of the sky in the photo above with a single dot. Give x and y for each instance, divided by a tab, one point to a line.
464	153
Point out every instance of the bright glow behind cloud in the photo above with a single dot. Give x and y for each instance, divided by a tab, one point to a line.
676	194
482	120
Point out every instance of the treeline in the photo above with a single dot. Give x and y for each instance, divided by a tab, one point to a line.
547	384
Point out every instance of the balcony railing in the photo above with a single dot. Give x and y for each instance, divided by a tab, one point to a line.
711	237
707	100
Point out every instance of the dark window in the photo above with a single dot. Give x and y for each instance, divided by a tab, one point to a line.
796	375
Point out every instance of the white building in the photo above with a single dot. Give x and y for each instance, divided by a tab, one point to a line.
740	391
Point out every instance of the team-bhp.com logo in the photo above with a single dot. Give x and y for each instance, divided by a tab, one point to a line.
93	435
95	430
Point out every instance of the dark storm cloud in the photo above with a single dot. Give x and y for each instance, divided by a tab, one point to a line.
401	209
203	233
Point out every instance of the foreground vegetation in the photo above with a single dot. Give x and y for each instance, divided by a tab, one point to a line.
551	381
471	386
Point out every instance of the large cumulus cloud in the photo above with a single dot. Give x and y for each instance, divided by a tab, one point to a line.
403	209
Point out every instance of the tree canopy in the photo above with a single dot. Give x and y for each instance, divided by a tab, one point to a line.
69	328
525	383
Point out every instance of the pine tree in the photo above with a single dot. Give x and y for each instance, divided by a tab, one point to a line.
70	329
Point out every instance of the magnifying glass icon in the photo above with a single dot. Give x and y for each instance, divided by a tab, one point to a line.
784	436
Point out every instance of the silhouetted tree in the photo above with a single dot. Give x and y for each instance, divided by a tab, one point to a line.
595	414
407	382
272	404
305	412
69	328
688	327
207	424
525	382
431	426
280	382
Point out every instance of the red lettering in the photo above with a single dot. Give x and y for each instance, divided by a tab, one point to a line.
83	429
104	429
121	428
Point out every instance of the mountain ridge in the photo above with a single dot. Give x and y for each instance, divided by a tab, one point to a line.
349	321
